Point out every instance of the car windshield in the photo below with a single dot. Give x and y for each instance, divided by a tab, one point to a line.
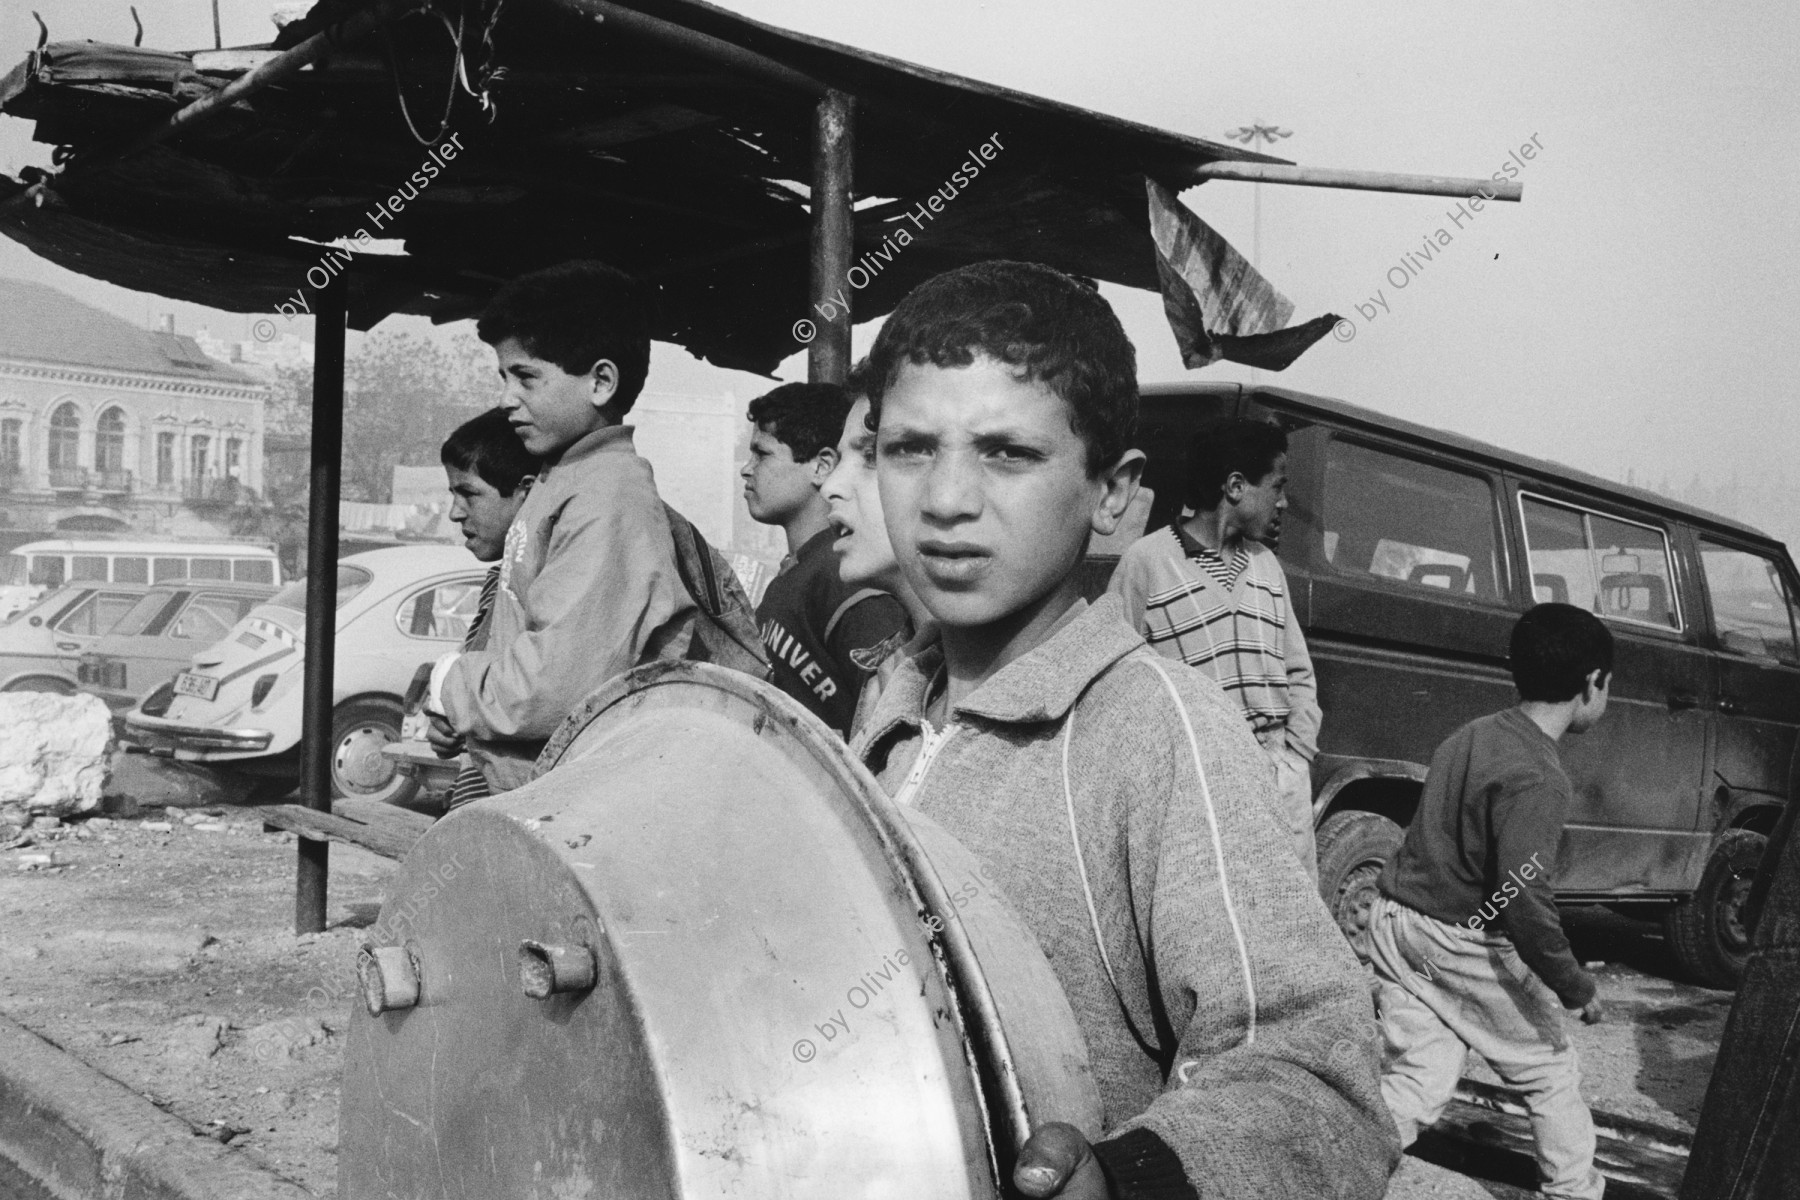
147	609
350	580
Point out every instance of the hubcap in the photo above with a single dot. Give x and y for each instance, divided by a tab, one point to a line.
1355	898
359	763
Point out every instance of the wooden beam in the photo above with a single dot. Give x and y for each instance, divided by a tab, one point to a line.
833	237
1364	181
385	829
688	41
312	877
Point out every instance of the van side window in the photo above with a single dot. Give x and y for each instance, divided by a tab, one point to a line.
1616	568
47	570
1403	520
209	568
131	570
87	568
1753	610
253	570
170	568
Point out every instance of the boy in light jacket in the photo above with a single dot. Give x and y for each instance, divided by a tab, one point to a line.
1117	799
589	584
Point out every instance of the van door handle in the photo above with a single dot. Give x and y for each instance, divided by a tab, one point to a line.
1729	707
1681	700
68	645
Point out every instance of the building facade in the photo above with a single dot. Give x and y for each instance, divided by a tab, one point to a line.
109	428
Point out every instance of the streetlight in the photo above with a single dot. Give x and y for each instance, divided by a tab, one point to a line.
1252	135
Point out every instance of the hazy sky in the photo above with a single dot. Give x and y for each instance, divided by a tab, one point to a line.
1627	314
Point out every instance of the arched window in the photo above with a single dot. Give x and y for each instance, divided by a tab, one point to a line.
65	437
109	442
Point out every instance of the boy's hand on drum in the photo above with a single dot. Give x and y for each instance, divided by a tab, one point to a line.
1057	1161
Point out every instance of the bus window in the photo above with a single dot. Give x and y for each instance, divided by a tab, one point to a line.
88	568
253	570
13	570
209	568
128	569
171	568
47	569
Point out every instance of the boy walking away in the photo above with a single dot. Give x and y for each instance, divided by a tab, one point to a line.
589	583
1210	593
1468	949
1117	799
489	473
819	630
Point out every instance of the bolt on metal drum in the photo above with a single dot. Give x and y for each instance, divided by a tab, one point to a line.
701	955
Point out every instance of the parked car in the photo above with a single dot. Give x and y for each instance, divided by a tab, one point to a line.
41	645
29	570
161	634
238	705
1412	551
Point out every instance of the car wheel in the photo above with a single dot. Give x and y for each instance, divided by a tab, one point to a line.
1353	848
53	684
359	770
1706	931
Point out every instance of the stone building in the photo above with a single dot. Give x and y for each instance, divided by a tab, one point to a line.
109	428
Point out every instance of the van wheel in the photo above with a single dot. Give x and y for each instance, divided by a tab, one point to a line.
1353	848
41	683
1706	931
359	770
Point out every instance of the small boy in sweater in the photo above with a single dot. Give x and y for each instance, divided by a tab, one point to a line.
1467	946
1116	799
1209	592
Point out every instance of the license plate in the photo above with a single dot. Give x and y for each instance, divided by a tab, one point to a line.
189	684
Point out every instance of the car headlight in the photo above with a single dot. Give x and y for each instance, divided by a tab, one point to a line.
260	692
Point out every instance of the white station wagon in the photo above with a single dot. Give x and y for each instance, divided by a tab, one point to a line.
238	705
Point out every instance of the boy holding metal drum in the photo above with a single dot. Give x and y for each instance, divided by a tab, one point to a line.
1118	799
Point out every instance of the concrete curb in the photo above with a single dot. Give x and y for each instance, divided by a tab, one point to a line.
86	1137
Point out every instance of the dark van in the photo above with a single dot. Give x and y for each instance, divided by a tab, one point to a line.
1411	551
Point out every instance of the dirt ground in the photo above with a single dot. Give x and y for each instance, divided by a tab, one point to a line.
159	949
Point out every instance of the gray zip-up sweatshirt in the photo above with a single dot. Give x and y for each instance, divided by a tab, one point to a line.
1237	1055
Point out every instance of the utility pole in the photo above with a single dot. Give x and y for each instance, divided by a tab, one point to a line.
1253	135
218	38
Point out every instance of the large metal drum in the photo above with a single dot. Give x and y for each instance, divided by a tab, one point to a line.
703	956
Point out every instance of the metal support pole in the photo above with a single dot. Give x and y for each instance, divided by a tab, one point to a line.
833	236
331	309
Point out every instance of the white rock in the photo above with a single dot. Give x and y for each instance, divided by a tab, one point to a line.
53	751
156	827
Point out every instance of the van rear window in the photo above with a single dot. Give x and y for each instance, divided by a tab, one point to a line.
1409	522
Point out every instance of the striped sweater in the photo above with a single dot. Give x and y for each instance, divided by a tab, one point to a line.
1245	637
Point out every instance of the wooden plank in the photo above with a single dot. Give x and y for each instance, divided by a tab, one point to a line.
1486	1134
390	834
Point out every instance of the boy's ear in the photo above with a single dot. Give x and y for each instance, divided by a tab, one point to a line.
1236	484
1119	483
603	376
823	464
